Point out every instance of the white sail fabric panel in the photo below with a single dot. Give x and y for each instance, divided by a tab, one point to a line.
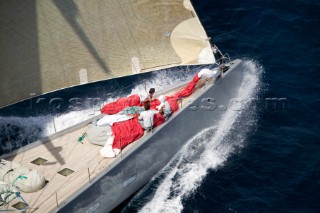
45	44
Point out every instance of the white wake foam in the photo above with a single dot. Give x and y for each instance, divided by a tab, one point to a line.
209	149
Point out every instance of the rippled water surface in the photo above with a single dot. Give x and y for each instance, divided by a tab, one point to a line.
266	159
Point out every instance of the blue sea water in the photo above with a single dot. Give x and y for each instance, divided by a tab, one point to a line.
268	158
276	167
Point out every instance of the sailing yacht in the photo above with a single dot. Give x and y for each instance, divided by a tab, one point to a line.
55	45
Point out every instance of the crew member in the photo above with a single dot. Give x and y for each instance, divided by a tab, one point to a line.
146	117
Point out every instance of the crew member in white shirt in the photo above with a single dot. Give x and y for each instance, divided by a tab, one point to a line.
146	117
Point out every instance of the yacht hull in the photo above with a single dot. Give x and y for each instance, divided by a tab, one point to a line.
136	167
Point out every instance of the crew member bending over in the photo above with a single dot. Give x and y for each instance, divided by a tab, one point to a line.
205	75
164	108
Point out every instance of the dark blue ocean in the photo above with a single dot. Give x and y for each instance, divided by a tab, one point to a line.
265	158
276	165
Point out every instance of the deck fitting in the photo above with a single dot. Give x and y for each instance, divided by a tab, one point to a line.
20	205
39	161
65	172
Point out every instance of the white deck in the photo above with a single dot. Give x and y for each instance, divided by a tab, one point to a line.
63	152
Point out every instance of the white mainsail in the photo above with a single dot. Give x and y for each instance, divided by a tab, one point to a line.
49	45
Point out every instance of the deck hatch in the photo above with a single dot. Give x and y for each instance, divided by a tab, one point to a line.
20	205
66	172
39	161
